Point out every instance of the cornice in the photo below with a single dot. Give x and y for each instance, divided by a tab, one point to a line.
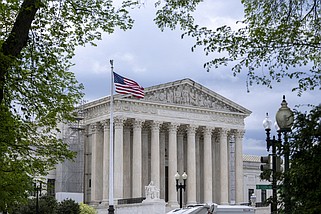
146	110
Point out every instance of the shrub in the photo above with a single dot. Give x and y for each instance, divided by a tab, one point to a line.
86	209
68	206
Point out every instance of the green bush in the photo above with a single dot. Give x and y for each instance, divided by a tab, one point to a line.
46	204
86	209
68	206
49	205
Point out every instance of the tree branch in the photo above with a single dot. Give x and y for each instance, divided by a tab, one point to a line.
312	9
17	39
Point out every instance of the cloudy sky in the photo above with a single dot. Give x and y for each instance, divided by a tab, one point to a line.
152	57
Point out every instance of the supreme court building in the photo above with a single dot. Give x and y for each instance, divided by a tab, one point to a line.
178	126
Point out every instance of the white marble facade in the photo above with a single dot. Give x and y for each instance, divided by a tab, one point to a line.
178	126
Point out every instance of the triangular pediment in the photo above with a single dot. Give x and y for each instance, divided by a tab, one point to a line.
188	93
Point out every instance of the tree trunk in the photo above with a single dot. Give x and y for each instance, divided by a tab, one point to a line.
17	39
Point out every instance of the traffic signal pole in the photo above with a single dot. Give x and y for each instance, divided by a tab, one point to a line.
272	143
274	205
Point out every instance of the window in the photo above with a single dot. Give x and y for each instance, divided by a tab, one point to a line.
51	187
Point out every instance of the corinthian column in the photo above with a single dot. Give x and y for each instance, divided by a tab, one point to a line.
96	164
239	166
162	145
191	165
137	158
155	154
224	166
172	164
146	161
180	151
106	125
208	165
127	191
118	158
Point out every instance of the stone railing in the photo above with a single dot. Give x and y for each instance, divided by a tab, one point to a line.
152	203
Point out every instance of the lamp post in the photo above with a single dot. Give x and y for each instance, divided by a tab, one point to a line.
38	192
284	122
267	123
180	186
284	118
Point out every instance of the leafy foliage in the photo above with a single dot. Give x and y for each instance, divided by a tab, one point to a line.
46	205
37	91
276	40
173	13
305	172
86	209
68	206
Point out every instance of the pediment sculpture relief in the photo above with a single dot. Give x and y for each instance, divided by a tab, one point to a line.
189	96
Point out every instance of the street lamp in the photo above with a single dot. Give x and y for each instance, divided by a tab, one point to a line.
284	119
38	189
267	123
284	122
180	186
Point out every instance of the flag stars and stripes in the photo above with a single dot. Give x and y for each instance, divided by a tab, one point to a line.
124	85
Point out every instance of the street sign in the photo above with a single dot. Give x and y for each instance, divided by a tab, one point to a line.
263	186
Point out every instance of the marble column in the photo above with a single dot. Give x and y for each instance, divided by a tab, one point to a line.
96	164
216	166
239	166
127	162
224	175
155	153
146	159
137	159
208	190
162	146
198	162
191	165
172	164
93	190
119	158
106	125
180	152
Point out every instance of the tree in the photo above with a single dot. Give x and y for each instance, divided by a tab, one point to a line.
37	42
277	39
305	173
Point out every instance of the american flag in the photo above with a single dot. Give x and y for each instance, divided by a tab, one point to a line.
124	85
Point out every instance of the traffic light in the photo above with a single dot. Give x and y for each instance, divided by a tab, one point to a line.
279	164
267	163
266	167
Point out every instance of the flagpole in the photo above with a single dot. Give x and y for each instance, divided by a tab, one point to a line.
111	208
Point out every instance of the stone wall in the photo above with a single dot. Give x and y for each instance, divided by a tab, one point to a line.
155	207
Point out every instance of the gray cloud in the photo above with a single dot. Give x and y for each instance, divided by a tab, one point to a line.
152	57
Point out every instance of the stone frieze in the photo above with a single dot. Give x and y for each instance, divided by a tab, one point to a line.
189	96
